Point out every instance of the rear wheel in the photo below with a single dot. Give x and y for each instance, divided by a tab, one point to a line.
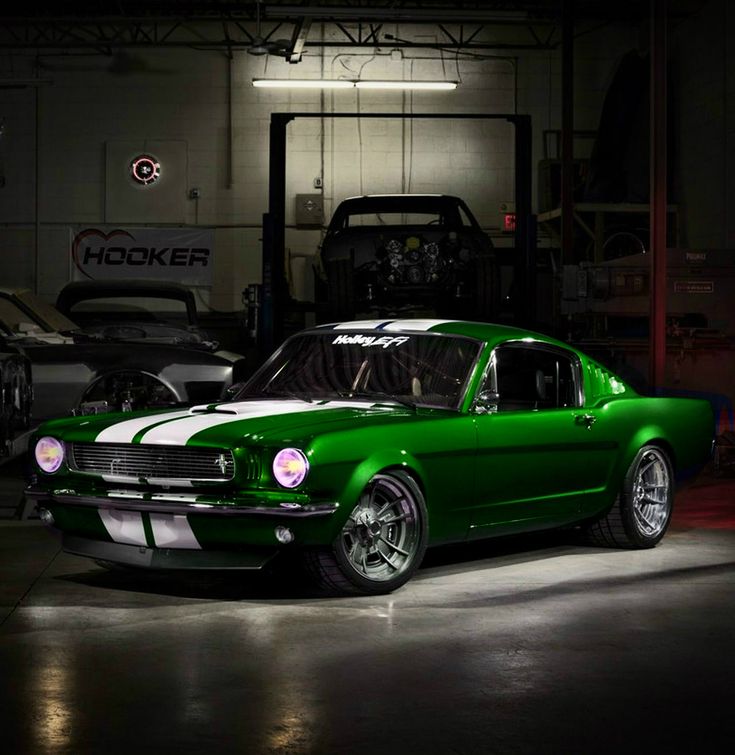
382	542
642	511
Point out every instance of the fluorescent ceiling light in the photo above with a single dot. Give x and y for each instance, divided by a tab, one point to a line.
348	84
406	84
304	83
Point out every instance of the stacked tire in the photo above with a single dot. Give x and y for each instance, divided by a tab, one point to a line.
16	397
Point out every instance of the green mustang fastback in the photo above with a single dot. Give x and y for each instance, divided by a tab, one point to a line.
362	443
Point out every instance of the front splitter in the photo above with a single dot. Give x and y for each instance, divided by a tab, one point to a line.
255	557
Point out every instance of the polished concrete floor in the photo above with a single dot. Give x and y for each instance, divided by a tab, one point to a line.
530	645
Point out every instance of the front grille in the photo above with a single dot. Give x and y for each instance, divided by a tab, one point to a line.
153	461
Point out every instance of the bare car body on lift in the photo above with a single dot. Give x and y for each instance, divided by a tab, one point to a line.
389	252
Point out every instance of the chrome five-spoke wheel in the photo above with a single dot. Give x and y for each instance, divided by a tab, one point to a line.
642	510
382	533
651	493
381	543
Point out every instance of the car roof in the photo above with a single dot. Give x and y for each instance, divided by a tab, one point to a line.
79	291
481	331
427	202
128	287
383	196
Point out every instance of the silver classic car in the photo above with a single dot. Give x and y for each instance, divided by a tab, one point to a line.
113	367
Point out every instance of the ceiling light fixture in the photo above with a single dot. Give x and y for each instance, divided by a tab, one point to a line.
350	84
304	83
436	85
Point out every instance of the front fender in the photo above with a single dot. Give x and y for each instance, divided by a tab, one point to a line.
347	491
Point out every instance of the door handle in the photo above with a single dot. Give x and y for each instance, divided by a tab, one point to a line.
585	419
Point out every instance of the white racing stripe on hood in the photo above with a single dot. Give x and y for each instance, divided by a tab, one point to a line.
180	431
125	431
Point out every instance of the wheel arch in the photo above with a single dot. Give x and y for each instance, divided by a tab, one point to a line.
382	461
664	445
650	436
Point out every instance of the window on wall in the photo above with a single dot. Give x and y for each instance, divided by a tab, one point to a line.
528	379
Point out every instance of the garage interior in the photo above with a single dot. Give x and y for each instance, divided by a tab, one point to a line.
592	141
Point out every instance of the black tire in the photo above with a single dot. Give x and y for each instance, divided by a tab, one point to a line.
341	289
20	398
642	510
391	552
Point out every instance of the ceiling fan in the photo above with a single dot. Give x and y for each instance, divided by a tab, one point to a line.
263	46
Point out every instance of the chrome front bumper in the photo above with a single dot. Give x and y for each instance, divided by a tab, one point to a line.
177	503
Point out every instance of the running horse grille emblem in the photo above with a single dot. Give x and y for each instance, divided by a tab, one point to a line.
221	463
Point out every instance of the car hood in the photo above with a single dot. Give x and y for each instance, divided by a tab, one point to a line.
231	424
135	331
101	354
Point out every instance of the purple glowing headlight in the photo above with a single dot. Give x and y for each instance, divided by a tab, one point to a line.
290	467
49	454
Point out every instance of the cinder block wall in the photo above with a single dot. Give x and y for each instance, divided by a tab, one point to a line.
183	95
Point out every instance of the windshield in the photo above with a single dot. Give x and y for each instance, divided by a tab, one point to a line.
105	309
394	218
45	314
420	369
37	317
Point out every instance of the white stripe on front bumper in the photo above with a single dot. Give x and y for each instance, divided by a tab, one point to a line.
173	531
124	526
169	530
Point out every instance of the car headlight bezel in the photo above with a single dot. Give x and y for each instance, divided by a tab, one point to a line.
49	453
290	467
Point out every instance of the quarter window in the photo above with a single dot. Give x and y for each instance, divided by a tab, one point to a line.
533	379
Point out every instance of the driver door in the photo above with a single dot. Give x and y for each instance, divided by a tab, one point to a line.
540	451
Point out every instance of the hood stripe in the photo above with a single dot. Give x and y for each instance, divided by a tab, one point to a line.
181	427
125	431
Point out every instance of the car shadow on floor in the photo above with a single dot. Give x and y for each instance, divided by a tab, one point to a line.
284	580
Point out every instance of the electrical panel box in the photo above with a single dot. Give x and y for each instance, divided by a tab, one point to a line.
309	210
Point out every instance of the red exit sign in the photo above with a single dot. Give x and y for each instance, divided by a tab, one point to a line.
509	221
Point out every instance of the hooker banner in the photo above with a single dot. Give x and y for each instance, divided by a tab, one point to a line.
183	255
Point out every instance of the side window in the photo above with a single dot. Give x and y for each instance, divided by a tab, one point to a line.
530	379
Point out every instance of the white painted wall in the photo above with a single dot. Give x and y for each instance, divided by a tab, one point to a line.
182	95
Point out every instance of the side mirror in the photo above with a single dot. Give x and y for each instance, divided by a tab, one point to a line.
486	402
229	393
